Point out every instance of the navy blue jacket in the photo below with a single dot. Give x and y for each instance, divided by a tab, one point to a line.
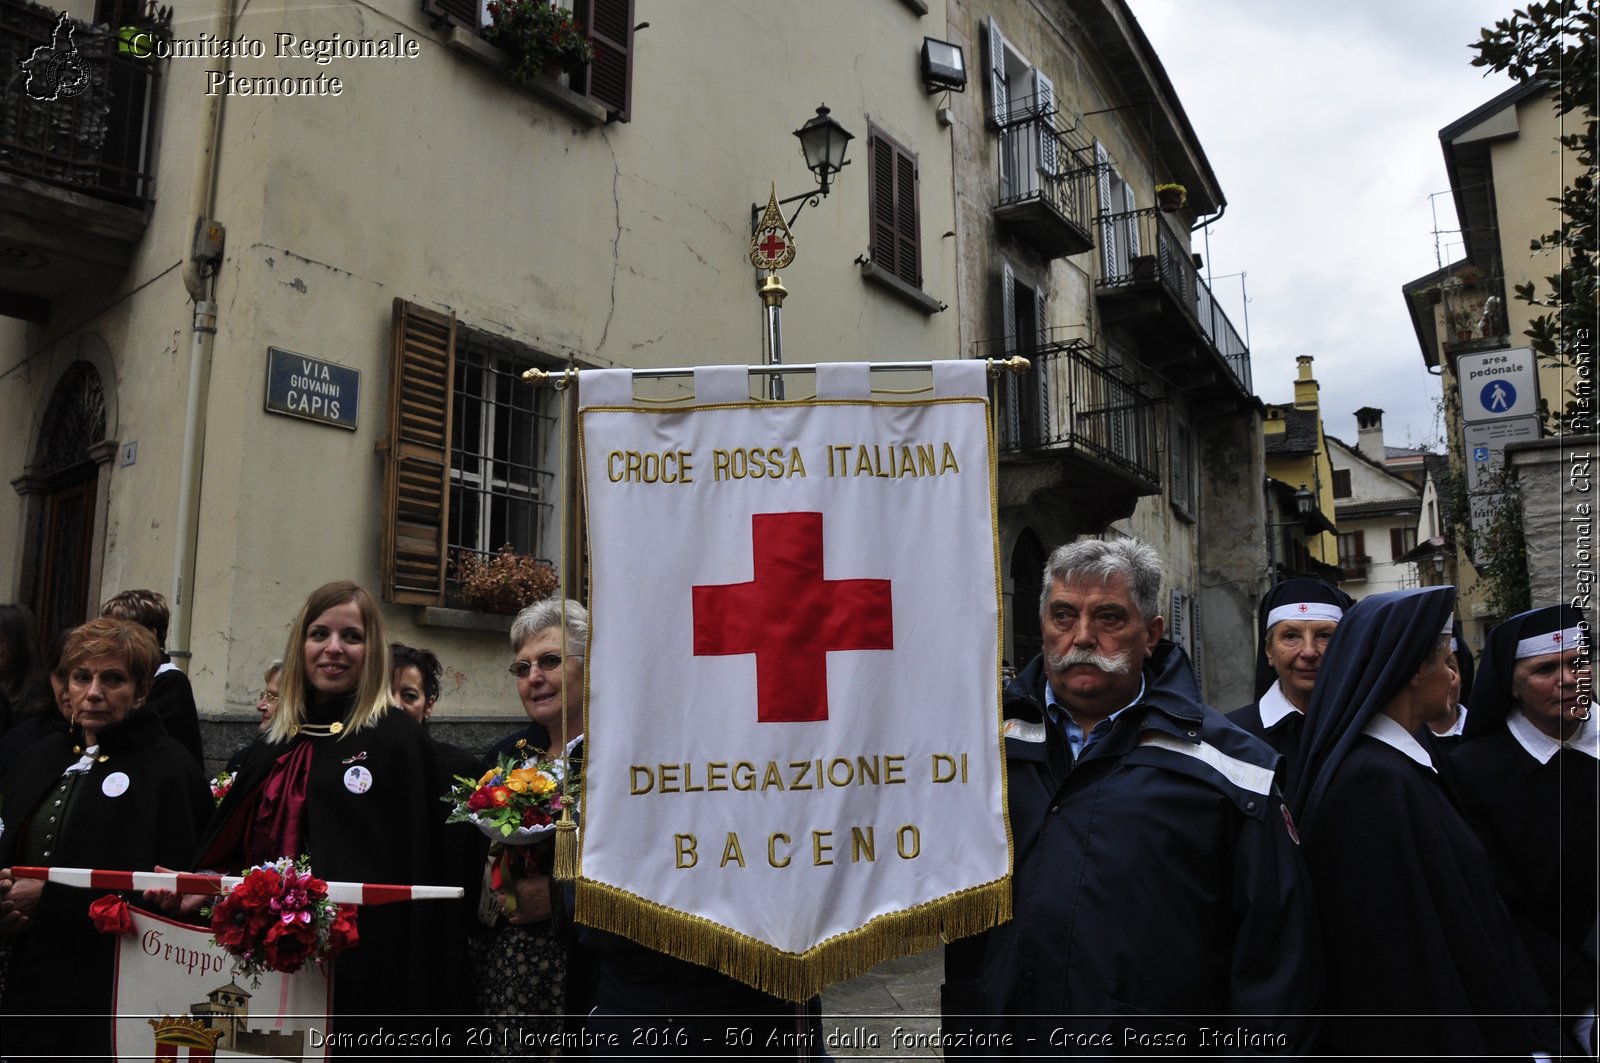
1158	889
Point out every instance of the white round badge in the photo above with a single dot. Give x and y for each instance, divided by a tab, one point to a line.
115	784
358	780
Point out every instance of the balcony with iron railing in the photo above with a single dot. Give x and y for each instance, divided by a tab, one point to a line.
1356	567
1090	419
1046	182
1150	285
76	160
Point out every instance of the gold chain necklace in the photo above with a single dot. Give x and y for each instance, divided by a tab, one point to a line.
319	730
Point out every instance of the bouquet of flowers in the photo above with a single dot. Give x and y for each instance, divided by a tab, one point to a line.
279	918
517	801
220	786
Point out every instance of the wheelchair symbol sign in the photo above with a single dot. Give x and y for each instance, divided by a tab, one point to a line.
1480	454
1498	396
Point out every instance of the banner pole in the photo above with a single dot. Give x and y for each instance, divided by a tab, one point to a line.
565	864
540	377
772	293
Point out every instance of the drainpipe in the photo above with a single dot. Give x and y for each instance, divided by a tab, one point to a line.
199	272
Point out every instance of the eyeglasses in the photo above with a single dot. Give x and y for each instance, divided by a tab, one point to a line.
267	696
547	662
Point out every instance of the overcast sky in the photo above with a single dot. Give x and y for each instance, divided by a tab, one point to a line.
1345	100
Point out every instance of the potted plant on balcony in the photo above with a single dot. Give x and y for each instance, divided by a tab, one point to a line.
1171	197
502	582
540	38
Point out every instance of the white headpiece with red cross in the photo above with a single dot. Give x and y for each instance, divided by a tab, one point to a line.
1548	642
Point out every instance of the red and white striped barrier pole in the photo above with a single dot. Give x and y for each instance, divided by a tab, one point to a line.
186	882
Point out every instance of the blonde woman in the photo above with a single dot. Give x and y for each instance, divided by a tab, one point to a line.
346	778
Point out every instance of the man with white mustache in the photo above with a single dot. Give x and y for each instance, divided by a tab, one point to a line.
1158	895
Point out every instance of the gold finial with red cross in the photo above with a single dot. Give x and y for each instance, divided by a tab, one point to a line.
772	244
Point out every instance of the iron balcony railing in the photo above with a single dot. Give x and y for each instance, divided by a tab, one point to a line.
1356	566
1140	247
1071	399
1044	159
79	117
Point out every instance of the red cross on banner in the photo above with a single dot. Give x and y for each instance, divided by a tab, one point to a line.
791	617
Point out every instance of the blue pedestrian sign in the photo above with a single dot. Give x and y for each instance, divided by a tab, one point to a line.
1498	396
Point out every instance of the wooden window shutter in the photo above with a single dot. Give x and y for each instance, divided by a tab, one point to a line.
895	227
1397	543
417	473
998	103
907	259
881	159
463	13
1109	257
610	77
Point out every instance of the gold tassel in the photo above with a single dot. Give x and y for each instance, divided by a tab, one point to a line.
566	860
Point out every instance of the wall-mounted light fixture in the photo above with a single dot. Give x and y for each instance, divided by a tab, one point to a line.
1304	502
943	66
824	143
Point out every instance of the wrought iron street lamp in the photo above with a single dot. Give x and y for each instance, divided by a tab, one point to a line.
824	143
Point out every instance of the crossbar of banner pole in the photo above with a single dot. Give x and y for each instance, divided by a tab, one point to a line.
204	883
539	377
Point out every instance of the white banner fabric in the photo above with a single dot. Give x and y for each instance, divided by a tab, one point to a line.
176	992
792	697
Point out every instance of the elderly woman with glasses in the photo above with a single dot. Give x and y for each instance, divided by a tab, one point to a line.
521	962
114	792
266	706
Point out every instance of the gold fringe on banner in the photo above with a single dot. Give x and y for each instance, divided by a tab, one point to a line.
793	976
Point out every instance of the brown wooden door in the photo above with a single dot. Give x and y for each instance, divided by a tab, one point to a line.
68	537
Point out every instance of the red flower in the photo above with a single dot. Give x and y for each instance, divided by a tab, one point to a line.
500	797
342	932
110	915
478	801
533	817
288	945
258	888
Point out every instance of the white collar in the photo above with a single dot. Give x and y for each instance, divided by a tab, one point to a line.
166	667
1391	734
1541	747
1458	727
1274	706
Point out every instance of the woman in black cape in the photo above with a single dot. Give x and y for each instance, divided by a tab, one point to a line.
1526	774
1421	956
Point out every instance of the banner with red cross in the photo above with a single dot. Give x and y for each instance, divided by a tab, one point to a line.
792	762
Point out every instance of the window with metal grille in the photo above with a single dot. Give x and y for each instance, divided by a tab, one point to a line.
501	481
471	454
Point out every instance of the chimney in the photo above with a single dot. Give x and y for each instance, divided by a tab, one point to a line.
1305	387
1369	425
